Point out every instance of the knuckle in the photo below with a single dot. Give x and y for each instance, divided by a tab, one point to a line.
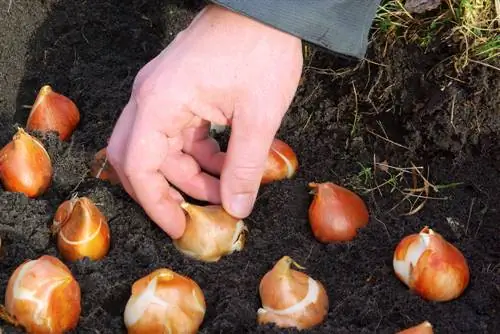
145	82
142	87
266	126
246	178
129	169
150	86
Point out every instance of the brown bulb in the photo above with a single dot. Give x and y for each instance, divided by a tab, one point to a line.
102	169
210	233
423	328
431	266
291	298
42	297
281	163
165	302
336	213
53	112
25	165
82	230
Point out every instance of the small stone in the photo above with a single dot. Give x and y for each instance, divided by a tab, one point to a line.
421	6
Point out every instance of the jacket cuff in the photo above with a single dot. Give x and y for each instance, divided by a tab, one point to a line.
341	26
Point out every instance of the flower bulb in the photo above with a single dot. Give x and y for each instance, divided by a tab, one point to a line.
25	165
291	298
336	213
431	266
53	112
102	169
82	230
423	328
43	297
210	233
281	163
165	302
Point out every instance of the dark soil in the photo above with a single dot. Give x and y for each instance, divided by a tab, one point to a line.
91	51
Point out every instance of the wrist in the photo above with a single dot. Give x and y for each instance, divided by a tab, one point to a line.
232	18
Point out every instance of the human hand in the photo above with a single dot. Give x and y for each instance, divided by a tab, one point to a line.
224	68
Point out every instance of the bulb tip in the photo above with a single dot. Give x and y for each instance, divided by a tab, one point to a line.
165	274
426	230
313	187
425	235
239	236
427	324
20	132
261	310
45	89
286	262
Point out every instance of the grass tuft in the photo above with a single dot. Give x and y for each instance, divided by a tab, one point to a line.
414	188
471	25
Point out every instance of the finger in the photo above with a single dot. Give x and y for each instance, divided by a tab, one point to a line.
146	151
115	151
251	138
203	148
185	173
209	113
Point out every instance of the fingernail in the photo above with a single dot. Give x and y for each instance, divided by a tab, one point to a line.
241	205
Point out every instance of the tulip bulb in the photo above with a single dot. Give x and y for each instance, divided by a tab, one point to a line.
423	328
101	168
431	266
82	230
43	297
210	233
164	302
336	213
281	163
53	112
25	165
291	298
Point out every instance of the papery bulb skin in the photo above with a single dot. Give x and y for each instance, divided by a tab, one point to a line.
43	296
82	230
423	328
102	169
336	213
281	163
53	112
431	266
210	233
25	165
165	302
291	298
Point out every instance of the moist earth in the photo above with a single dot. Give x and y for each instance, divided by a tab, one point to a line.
401	107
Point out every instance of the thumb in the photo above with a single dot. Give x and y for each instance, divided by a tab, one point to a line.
252	134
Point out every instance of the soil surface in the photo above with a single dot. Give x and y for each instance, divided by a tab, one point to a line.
403	106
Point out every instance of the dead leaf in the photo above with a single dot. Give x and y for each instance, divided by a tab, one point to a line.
383	166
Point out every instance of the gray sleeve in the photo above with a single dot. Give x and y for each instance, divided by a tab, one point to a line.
342	26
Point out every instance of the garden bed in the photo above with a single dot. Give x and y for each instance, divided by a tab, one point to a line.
363	125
